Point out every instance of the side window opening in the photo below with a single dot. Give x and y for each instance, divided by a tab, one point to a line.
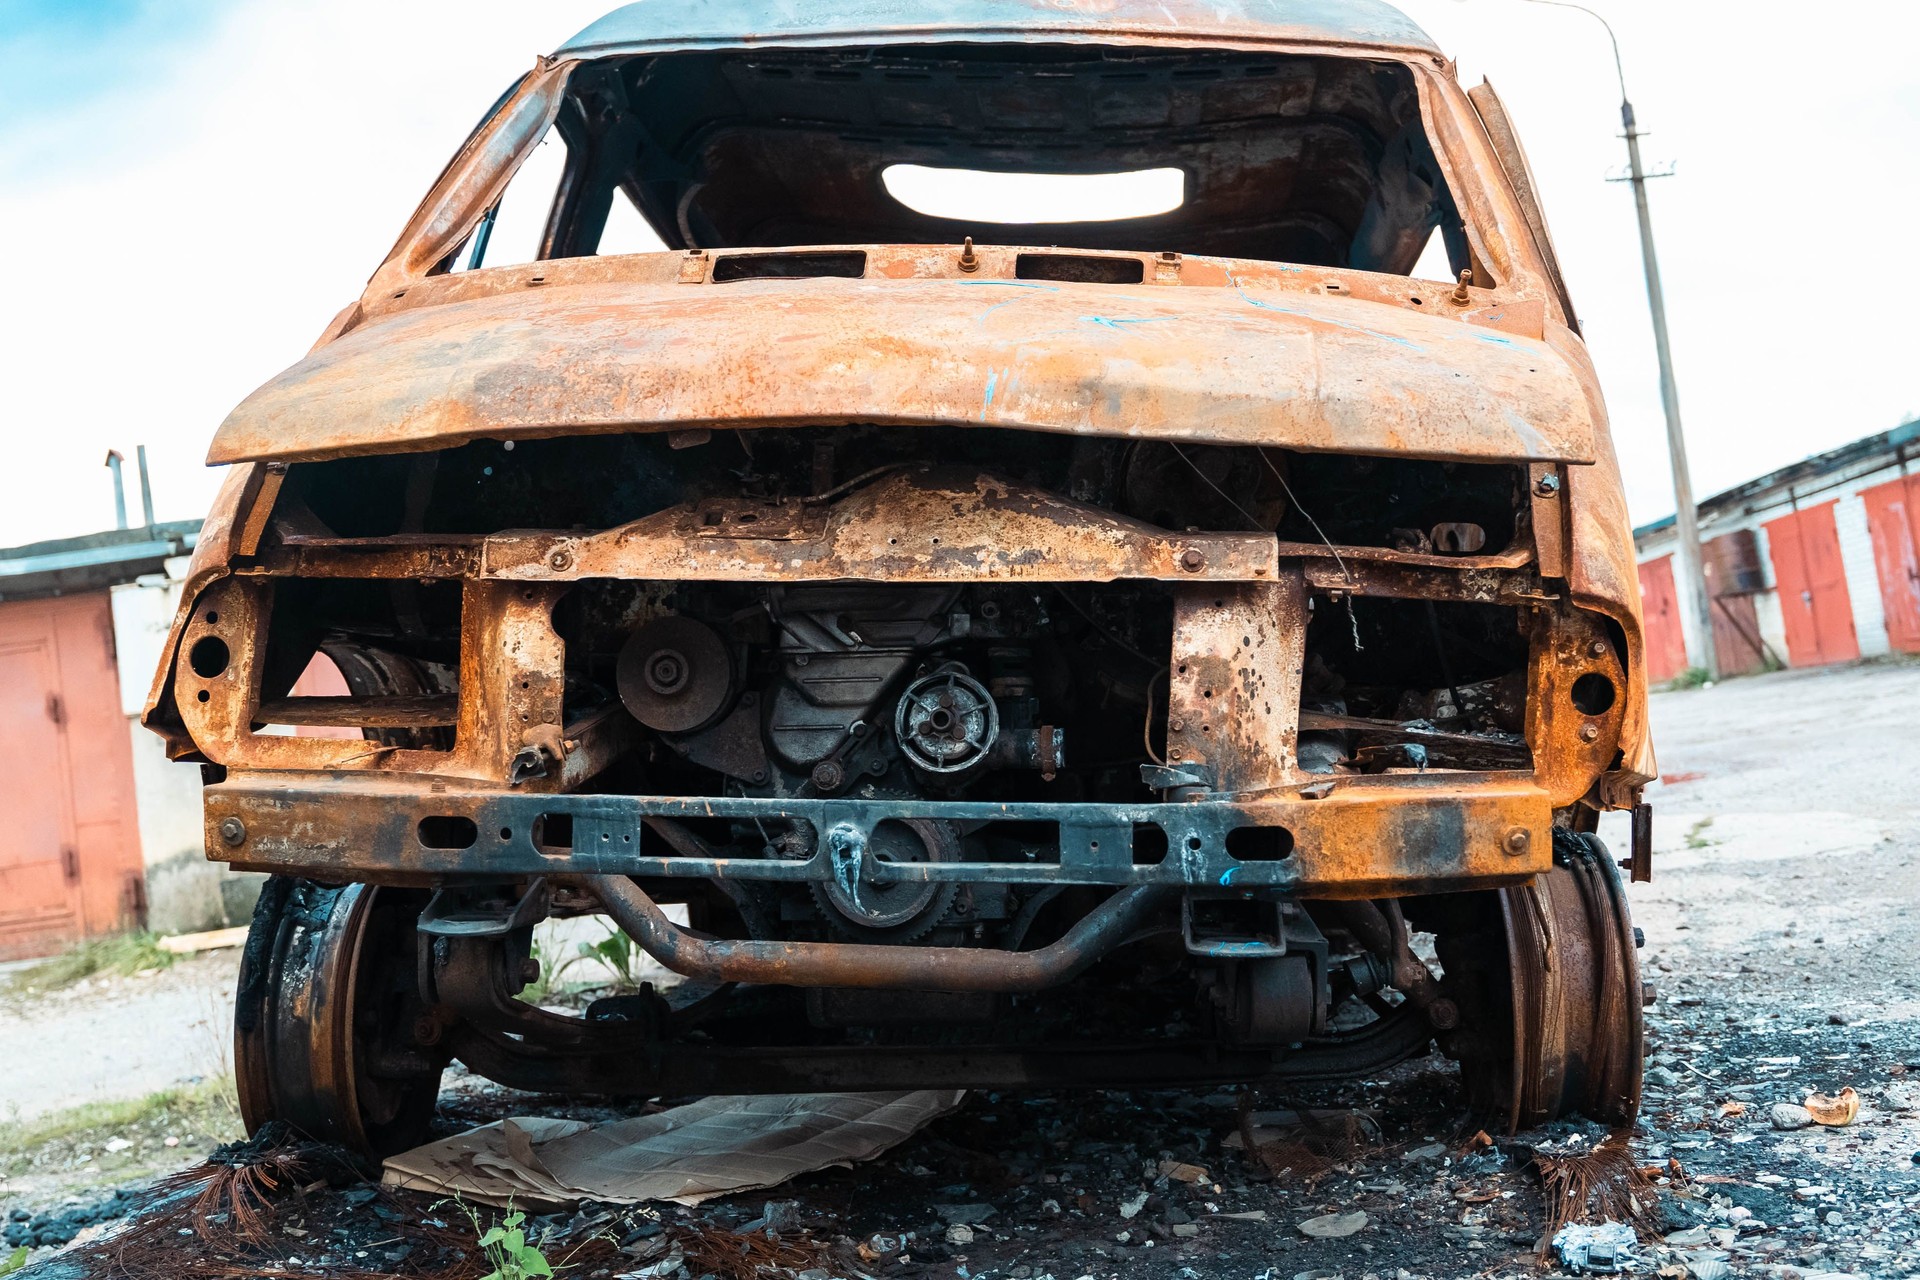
626	231
515	231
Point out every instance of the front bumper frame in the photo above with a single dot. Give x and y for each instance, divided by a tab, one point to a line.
1364	837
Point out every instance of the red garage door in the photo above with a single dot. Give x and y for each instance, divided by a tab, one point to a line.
69	848
1892	511
1660	615
1812	581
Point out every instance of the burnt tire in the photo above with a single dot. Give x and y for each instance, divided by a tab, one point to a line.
1547	978
324	1017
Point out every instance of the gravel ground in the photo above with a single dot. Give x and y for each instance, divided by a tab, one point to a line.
1781	932
112	1037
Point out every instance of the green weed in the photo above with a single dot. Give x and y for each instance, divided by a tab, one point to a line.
205	1108
124	954
619	953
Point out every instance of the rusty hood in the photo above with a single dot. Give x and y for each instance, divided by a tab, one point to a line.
1236	363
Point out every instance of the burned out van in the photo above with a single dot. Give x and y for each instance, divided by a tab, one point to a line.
1188	638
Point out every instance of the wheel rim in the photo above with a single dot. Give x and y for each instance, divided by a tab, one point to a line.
1578	1036
320	1015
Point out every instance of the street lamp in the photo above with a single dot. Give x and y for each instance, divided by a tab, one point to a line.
1693	578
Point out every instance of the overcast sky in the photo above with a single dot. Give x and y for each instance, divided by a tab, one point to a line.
189	191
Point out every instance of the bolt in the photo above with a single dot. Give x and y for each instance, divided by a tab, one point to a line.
969	261
1460	295
560	560
1175	725
1443	1015
828	775
1547	485
1192	560
233	831
1517	841
529	971
1589	731
1639	937
1598	649
426	1029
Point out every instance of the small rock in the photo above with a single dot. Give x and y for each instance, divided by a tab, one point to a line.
1132	1205
118	1144
1185	1230
1432	1151
959	1233
1691	1238
971	1215
1663	1077
1790	1115
1334	1226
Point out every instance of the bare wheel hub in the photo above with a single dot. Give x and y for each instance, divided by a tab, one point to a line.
325	1017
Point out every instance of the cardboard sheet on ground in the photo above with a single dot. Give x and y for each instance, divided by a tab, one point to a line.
688	1154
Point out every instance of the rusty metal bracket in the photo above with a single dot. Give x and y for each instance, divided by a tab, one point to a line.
1639	863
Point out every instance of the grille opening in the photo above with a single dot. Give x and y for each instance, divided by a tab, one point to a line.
553	833
1260	844
1149	845
1079	268
845	264
1027	841
448	831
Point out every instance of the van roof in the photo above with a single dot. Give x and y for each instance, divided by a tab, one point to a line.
661	26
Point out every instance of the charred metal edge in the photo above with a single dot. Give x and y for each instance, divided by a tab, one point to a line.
1413	834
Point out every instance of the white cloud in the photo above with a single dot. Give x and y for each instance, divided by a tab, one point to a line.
216	211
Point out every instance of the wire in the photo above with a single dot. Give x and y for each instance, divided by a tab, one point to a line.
857	481
1307	515
1208	481
1146	730
1111	637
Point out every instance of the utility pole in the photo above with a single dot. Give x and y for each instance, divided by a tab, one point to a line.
1692	576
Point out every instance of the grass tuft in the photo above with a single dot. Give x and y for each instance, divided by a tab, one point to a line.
124	954
207	1106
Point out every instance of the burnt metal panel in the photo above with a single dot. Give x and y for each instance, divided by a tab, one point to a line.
1249	360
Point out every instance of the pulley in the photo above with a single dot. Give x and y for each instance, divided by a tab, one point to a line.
675	674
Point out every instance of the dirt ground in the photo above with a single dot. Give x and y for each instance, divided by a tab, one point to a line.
1783	934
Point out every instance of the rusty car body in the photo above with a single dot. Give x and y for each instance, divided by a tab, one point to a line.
1081	652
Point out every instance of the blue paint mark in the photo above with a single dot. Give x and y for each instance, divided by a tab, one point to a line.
1120	322
986	403
1529	438
1292	311
1498	341
1226	877
1010	284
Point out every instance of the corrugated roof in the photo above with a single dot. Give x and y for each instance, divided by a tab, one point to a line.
63	566
1811	468
658	26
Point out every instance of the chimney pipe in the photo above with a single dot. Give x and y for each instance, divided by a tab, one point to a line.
119	489
146	490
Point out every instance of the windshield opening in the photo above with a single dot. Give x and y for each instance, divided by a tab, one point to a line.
1318	161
